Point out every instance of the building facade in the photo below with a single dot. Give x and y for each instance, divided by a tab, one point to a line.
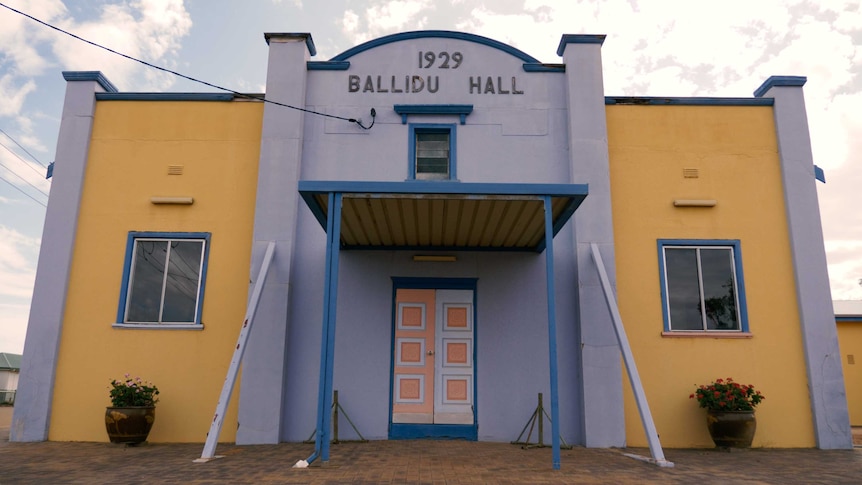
436	202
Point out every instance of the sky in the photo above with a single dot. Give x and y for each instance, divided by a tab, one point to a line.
653	48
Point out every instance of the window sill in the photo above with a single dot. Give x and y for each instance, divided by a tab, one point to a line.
160	326
708	334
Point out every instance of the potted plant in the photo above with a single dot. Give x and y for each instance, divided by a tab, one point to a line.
730	411
133	410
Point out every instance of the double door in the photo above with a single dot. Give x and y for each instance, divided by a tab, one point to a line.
433	362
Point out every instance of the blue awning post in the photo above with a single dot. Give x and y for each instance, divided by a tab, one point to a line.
552	331
327	341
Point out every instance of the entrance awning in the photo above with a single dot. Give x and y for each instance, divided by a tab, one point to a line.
437	216
444	215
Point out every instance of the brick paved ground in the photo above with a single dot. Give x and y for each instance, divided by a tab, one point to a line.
412	462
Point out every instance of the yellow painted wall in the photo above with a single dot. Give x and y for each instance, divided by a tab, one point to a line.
734	148
133	143
850	343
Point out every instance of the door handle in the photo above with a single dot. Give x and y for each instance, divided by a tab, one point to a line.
430	352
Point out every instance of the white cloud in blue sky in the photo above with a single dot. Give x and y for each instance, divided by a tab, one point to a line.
667	48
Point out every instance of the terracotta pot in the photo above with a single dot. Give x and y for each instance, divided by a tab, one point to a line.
129	424
731	429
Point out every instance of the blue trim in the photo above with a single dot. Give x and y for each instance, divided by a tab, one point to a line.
327	65
652	101
537	249
442	187
567	39
414	128
167	96
849	318
529	67
90	76
423	283
736	247
49	172
309	189
309	43
440	34
785	81
402	431
819	174
462	110
127	267
436	431
552	333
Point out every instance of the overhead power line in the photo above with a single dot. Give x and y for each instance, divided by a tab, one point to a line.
40	174
175	73
22	147
23	179
25	193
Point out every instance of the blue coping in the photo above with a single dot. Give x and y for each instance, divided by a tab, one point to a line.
740	280
661	101
445	34
171	97
309	42
462	110
528	67
791	81
327	65
90	76
579	39
849	318
127	267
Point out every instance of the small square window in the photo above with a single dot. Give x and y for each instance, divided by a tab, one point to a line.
163	278
702	286
432	152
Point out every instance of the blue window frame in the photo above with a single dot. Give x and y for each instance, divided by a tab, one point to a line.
164	276
702	287
432	152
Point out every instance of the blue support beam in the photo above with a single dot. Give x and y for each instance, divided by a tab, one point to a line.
552	331
327	341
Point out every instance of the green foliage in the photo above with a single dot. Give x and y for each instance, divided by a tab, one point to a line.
133	392
727	395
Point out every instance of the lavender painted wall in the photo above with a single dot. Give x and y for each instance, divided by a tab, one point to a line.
506	138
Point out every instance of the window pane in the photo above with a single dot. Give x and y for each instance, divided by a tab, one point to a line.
718	289
146	288
432	154
683	290
181	286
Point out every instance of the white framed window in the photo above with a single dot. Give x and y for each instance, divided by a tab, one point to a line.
702	286
163	278
432	151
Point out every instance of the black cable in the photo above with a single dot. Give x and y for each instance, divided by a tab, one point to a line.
21	147
40	174
23	179
235	93
25	193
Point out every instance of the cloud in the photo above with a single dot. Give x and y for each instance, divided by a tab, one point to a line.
12	336
18	256
147	29
385	17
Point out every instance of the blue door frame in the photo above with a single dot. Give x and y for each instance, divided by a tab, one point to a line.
433	431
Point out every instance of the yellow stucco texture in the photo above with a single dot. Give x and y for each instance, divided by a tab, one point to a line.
133	143
850	343
734	150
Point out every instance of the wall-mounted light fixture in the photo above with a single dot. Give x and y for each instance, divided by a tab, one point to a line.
428	258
